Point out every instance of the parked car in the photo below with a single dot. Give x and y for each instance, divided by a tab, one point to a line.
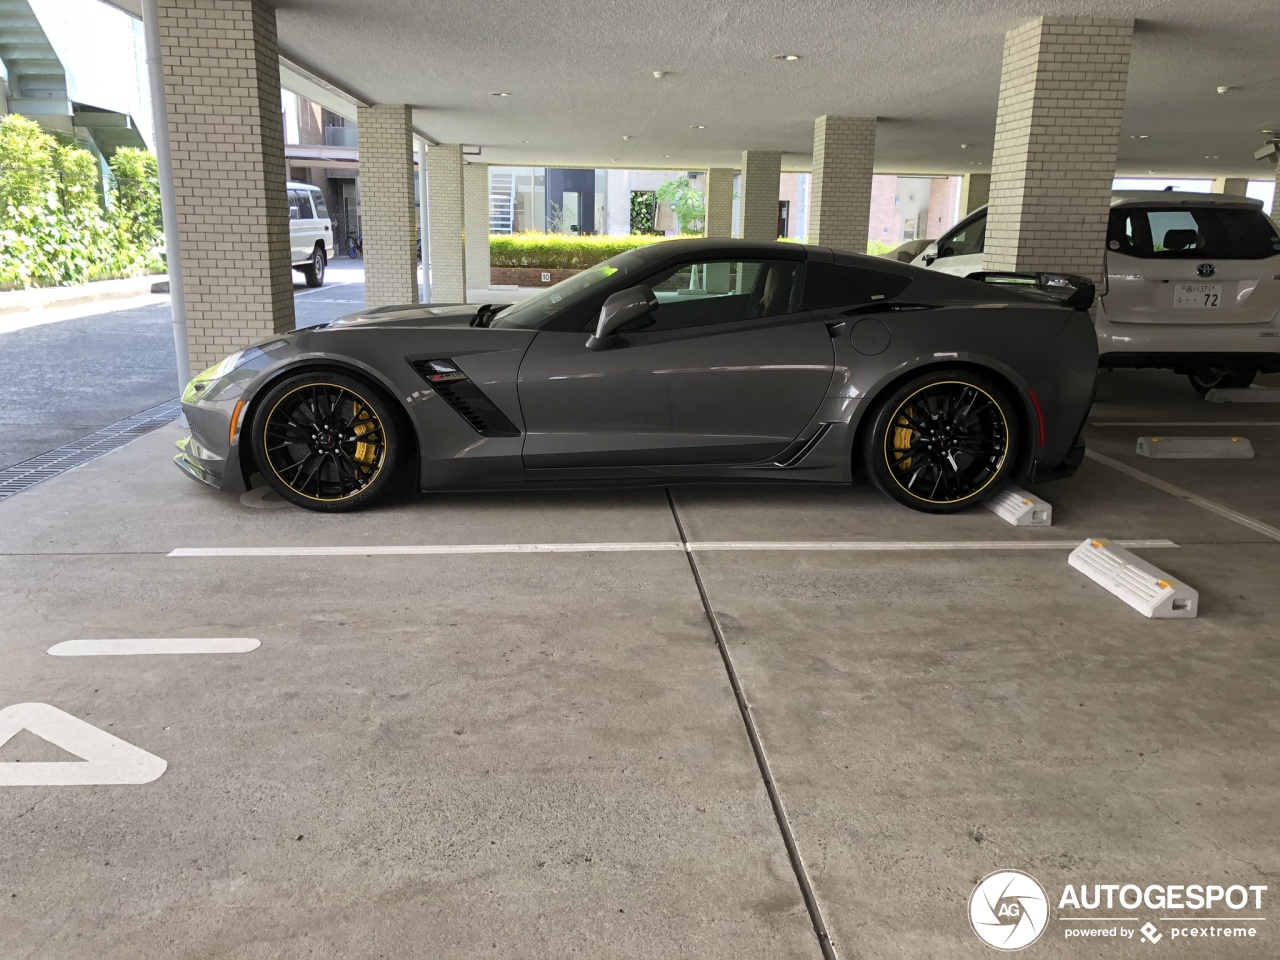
908	250
1192	284
310	232
690	359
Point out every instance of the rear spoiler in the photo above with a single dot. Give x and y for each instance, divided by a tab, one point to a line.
1074	291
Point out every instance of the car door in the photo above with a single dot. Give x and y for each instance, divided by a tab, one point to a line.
726	369
960	252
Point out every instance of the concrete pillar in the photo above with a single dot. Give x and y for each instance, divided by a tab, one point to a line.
844	153
761	175
448	226
226	135
475	186
719	202
975	191
1062	88
1231	186
387	209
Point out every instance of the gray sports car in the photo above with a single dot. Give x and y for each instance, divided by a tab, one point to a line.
683	360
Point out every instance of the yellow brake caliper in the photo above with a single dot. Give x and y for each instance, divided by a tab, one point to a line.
365	452
902	442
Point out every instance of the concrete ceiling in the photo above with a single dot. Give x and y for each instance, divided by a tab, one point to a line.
580	75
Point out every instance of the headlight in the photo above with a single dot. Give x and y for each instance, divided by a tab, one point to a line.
212	381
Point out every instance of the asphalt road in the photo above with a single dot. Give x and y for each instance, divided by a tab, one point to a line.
65	373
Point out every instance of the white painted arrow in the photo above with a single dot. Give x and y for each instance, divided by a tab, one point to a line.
108	759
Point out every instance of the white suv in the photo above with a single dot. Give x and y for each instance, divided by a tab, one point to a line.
1192	285
310	232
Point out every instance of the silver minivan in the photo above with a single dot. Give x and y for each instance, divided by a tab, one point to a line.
1192	284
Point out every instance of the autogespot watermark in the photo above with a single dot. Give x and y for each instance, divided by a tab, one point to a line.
1009	910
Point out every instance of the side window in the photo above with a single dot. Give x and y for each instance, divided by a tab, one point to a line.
293	205
317	201
969	238
723	291
828	285
304	205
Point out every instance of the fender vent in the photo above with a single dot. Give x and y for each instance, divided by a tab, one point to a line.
458	390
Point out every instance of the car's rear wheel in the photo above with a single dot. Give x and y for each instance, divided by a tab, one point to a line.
942	441
325	441
313	272
1204	379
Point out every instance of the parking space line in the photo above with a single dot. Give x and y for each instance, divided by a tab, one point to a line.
1212	506
857	546
1184	423
131	646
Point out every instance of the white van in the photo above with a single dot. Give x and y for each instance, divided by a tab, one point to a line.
1192	284
310	232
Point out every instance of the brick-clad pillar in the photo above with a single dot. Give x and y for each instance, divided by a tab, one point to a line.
387	210
226	134
475	186
719	202
844	152
761	176
975	191
448	225
1062	88
1231	186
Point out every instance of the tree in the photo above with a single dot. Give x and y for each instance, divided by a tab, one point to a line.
688	204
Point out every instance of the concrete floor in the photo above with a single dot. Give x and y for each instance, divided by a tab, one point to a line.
517	755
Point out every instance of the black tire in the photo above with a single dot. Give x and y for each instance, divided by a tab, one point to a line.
943	441
1204	379
313	272
326	441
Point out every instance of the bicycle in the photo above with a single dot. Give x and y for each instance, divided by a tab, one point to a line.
355	245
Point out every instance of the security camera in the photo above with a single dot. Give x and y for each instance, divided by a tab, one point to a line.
1269	151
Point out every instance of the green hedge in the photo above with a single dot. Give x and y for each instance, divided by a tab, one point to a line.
558	251
53	227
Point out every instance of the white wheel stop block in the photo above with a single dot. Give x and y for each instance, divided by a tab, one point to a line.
1146	588
1195	448
1254	394
1020	508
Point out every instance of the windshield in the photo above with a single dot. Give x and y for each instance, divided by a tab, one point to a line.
1191	232
534	312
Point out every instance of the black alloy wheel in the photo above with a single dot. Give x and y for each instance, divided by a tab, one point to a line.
1204	379
325	441
942	442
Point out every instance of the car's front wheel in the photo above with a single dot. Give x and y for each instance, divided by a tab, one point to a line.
1204	379
313	272
325	441
942	441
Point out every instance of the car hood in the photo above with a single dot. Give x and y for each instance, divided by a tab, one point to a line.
412	315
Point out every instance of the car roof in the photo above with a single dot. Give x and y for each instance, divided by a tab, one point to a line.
294	185
1164	198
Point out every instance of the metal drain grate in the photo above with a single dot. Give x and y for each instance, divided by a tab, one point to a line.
28	473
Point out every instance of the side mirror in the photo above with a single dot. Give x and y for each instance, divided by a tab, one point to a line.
930	254
621	308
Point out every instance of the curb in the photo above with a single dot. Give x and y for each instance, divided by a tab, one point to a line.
40	298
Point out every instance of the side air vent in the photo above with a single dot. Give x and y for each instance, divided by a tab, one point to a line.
458	390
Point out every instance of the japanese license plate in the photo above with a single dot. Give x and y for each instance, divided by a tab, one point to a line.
1197	295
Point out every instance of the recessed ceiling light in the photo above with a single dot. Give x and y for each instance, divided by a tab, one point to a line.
789	57
525	141
659	74
613	159
627	136
1143	136
698	126
499	94
666	156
